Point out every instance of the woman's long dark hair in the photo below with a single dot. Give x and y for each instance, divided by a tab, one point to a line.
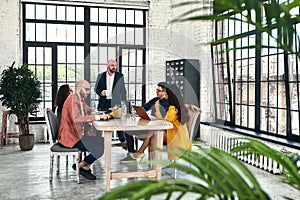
175	98
62	94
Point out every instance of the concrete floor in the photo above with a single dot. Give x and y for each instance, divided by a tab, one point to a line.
24	175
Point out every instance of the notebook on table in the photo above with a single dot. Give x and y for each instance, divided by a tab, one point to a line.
141	112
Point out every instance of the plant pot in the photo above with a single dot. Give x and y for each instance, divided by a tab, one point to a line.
26	142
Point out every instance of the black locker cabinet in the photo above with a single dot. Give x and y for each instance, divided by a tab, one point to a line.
185	74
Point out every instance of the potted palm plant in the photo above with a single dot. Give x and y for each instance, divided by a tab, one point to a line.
20	93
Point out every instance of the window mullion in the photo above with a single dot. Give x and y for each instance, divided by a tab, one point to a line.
287	96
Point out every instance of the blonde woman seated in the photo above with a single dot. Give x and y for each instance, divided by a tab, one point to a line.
176	138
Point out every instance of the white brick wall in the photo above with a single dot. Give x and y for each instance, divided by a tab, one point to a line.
168	41
9	33
165	41
9	37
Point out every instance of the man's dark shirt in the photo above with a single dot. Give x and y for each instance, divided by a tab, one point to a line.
164	105
118	91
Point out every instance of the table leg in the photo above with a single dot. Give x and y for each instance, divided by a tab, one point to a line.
4	129
107	149
158	155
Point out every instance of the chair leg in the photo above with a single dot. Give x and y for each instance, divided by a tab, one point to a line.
77	167
136	142
175	170
149	153
175	173
51	167
67	161
57	165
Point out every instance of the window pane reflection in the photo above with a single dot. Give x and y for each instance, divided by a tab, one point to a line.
103	34
139	36
94	15
79	14
31	55
62	29
70	13
139	18
30	32
40	12
130	17
121	16
51	12
30	11
295	123
121	35
112	16
103	15
61	13
129	35
111	35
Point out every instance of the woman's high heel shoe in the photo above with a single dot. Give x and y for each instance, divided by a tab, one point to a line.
134	156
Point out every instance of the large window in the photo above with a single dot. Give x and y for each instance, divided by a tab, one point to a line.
256	88
65	43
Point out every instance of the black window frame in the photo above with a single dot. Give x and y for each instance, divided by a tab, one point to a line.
86	45
284	81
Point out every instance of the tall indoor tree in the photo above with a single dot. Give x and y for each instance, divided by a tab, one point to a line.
20	93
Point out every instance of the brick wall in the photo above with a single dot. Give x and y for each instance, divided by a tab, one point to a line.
9	32
174	40
165	41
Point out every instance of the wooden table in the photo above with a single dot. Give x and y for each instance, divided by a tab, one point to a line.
128	124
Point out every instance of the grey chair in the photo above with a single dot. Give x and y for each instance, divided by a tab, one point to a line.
56	149
192	123
191	126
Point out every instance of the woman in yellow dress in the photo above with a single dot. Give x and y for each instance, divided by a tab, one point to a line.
176	138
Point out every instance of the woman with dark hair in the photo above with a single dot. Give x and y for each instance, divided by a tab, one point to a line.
176	138
61	96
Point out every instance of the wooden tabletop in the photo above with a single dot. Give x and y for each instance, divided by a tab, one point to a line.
129	124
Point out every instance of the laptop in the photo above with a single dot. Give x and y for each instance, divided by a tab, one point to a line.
141	112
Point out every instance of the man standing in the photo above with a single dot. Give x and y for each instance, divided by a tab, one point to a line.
75	131
111	90
110	87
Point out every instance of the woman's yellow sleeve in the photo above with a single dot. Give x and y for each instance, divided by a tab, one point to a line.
171	115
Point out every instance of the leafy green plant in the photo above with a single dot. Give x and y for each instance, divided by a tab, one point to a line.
20	91
214	174
291	174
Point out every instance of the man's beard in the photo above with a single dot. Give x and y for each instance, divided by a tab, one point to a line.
112	70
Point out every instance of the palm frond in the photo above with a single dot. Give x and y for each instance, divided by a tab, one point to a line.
250	146
213	174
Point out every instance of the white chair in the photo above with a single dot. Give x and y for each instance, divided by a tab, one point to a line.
191	126
57	149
